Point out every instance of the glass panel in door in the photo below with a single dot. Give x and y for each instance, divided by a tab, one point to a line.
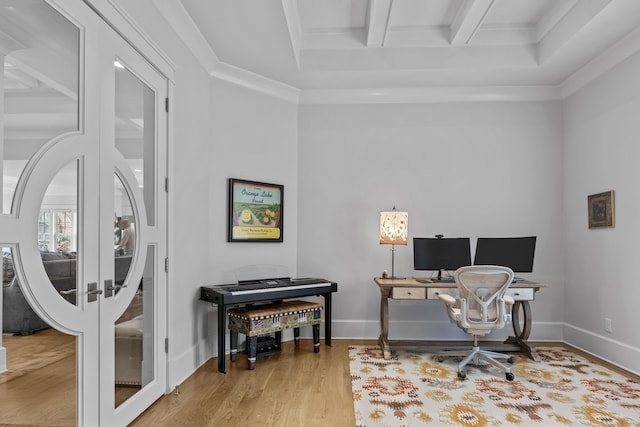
129	327
135	186
124	234
134	337
135	131
39	105
39	97
57	232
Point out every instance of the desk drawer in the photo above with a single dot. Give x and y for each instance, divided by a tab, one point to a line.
521	294
433	293
409	293
518	294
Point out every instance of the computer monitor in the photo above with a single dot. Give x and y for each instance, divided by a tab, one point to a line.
513	252
441	253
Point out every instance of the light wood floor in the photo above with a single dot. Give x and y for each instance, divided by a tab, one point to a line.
41	381
294	387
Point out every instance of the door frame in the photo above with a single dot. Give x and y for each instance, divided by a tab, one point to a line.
116	17
148	233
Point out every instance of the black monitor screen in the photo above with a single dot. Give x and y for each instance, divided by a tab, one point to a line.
513	252
441	254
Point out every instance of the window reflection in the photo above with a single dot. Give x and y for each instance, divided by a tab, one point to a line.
57	231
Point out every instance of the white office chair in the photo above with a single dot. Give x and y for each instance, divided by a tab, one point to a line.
482	306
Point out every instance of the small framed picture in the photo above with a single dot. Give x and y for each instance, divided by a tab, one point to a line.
601	210
255	211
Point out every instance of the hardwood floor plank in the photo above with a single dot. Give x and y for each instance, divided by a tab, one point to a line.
294	387
41	382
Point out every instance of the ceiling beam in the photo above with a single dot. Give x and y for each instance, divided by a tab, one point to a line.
552	16
8	44
46	67
377	23
571	24
468	20
13	73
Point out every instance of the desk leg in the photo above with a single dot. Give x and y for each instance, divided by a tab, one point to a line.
327	319
222	333
522	335
383	341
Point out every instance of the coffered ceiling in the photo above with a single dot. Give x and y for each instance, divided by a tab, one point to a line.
400	46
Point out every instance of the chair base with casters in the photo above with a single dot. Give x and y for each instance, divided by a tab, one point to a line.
476	356
481	307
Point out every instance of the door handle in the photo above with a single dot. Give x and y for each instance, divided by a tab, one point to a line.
93	292
109	288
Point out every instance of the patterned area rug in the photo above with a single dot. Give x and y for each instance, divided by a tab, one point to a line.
564	389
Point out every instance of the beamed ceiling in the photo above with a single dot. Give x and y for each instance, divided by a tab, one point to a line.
314	50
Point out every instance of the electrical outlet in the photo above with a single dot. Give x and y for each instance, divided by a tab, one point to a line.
607	325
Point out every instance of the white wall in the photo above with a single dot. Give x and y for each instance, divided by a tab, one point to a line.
601	153
220	131
462	170
254	138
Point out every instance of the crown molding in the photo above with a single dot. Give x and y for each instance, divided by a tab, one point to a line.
432	95
178	18
256	82
604	62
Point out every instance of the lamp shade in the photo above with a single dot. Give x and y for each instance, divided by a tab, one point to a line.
393	227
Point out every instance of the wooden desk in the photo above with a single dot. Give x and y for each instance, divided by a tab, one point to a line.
412	289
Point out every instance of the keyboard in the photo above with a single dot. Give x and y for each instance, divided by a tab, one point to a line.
256	288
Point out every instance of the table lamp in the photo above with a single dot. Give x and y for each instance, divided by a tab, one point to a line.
393	231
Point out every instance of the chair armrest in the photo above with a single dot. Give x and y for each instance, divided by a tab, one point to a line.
509	300
447	299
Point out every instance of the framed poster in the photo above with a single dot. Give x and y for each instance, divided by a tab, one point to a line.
601	210
255	211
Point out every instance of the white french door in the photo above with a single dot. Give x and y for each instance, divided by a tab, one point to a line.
115	163
133	125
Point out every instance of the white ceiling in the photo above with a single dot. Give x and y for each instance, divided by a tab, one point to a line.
315	46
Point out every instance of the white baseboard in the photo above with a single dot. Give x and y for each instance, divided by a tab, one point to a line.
186	363
3	359
433	330
615	352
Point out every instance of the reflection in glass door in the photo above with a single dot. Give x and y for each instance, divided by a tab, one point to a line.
39	51
95	287
57	232
135	144
129	327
